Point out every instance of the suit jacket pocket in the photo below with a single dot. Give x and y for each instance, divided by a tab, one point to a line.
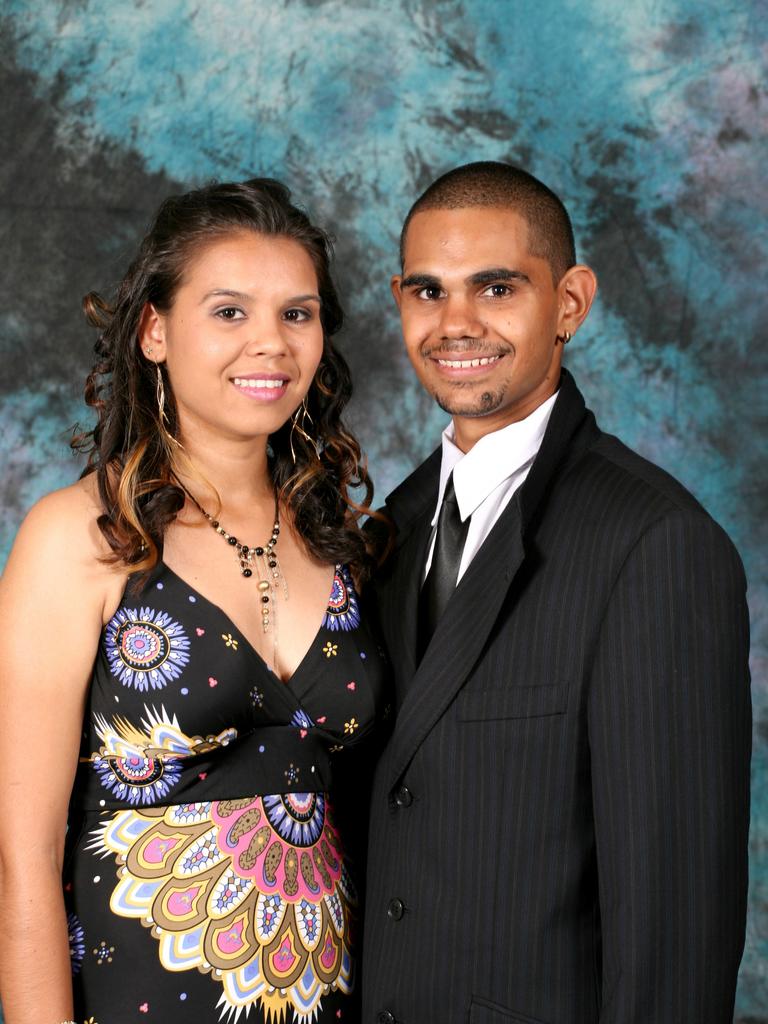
512	702
482	1011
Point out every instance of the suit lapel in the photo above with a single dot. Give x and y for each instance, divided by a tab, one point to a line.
460	637
411	507
462	634
400	605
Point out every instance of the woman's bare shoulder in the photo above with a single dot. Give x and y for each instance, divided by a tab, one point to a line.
69	514
61	533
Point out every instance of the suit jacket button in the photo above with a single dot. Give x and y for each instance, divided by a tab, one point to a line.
396	909
385	1017
404	797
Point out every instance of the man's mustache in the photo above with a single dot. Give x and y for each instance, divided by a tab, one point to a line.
458	346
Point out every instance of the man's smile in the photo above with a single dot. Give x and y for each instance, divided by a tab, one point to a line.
464	364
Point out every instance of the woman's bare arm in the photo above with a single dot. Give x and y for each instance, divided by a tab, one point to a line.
54	595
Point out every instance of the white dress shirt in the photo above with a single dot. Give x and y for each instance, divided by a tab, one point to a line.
488	475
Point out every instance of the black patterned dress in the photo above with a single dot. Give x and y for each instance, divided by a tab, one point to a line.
205	876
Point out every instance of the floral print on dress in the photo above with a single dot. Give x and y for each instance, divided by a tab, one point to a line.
231	893
301	719
146	648
141	766
343	612
76	942
253	891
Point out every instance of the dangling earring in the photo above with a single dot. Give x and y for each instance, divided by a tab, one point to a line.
162	415
564	338
300	428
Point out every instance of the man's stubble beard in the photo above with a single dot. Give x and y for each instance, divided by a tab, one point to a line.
485	403
482	405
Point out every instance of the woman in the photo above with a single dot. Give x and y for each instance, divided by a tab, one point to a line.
173	664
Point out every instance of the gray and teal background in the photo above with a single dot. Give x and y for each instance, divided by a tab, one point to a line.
647	116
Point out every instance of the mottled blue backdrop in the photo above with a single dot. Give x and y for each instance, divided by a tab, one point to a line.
647	117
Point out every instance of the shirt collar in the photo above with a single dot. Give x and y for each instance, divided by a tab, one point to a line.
493	459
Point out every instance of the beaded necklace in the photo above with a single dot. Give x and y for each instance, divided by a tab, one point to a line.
262	558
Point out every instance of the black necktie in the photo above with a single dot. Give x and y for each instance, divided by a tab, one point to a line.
446	559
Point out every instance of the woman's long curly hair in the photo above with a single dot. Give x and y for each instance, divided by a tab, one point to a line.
133	453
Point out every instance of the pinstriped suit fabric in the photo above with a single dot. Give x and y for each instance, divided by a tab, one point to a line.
576	743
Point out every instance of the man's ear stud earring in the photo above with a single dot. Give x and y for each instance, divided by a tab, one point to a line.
564	338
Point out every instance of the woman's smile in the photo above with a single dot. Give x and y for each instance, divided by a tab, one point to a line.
262	387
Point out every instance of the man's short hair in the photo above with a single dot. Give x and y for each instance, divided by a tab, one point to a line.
490	183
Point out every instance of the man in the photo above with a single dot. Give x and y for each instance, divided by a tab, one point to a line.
559	821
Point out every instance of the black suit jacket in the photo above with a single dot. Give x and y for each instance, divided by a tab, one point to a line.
559	821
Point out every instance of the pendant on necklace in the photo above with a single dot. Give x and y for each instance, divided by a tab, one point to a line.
261	559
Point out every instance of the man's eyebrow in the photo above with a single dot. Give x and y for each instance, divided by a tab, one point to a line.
420	281
500	274
490	276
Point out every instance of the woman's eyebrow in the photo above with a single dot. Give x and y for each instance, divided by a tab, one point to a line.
227	293
230	293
